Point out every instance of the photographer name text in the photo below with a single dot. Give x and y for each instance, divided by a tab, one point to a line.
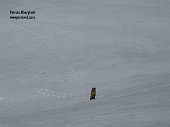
22	14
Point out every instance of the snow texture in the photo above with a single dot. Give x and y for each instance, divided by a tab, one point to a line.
49	64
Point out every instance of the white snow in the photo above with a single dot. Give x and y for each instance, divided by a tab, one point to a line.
48	65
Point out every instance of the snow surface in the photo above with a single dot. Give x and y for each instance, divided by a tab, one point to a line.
49	65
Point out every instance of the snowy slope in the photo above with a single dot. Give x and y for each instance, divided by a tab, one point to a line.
49	65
